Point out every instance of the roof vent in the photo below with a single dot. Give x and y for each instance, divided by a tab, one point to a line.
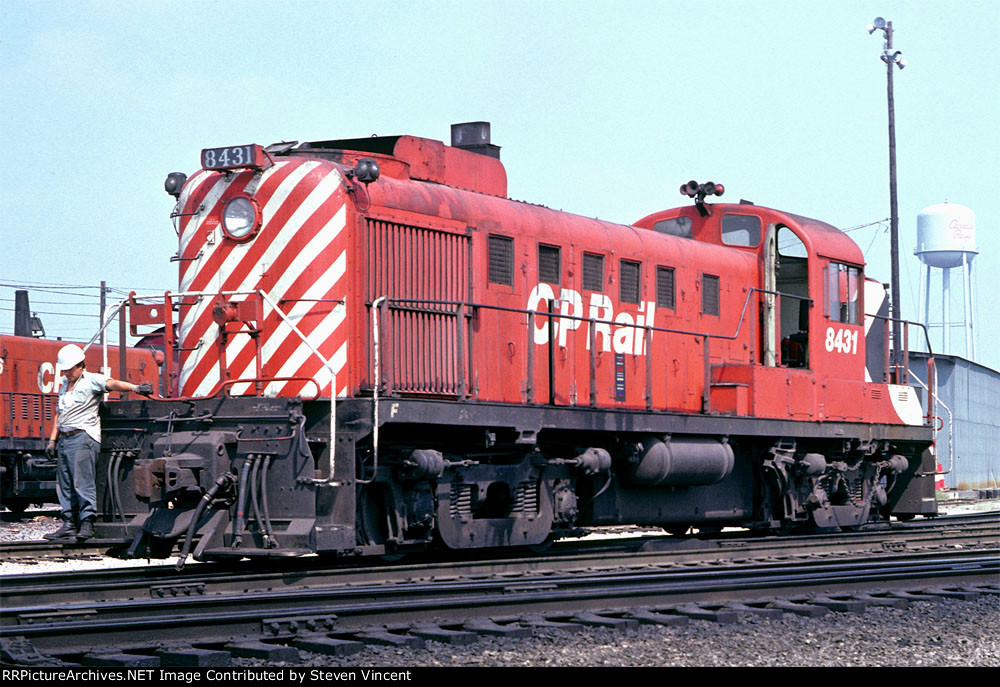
474	137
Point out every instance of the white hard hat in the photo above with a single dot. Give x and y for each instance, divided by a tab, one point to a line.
70	355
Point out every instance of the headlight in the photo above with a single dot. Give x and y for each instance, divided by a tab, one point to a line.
240	218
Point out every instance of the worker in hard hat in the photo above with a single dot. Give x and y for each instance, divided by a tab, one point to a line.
77	434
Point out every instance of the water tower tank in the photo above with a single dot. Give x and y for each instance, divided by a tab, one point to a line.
946	233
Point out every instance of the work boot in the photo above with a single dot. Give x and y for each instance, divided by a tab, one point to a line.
86	530
67	531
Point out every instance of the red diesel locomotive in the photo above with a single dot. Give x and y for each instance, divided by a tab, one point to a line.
378	351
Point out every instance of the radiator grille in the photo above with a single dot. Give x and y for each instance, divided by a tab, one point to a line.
425	274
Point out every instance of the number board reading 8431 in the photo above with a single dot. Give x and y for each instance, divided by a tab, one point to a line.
231	157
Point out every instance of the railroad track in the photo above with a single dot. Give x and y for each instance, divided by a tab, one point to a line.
216	613
343	619
633	539
35	551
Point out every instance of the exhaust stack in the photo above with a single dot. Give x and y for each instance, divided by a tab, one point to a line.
474	137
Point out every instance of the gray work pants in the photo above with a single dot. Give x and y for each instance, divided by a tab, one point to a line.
75	483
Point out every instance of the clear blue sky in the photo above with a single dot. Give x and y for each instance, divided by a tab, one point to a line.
601	108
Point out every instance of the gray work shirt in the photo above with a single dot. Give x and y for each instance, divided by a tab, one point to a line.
78	406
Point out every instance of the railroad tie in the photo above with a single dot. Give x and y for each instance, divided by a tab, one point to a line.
382	637
594	620
763	610
443	635
805	609
954	593
538	620
485	626
879	600
328	646
120	661
647	617
192	657
716	615
841	605
273	653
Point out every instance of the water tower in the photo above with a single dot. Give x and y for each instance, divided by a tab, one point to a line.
946	238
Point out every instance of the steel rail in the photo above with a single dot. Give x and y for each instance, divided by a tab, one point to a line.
650	536
626	553
350	608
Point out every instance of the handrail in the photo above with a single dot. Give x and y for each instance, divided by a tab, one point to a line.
951	422
199	294
525	311
333	386
220	387
462	309
903	365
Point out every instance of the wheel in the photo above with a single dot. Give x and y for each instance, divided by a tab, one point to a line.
542	547
16	506
159	548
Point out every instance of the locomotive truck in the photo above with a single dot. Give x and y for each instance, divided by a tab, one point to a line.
378	351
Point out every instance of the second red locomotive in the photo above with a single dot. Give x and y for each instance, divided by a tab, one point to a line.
379	351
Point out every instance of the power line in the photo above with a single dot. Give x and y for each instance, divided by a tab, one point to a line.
12	300
43	312
862	226
53	288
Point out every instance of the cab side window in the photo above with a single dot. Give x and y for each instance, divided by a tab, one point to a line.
741	230
843	289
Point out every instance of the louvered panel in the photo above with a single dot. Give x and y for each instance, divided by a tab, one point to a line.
548	264
665	287
424	272
629	284
593	272
501	269
710	295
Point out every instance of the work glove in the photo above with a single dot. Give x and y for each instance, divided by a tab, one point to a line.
144	389
50	449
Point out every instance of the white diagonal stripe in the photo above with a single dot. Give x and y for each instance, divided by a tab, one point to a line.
189	274
322	377
319	193
318	289
282	331
320	242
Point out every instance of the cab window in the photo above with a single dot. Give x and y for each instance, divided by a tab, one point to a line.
741	230
843	293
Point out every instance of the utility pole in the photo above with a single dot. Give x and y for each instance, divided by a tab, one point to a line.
892	58
104	290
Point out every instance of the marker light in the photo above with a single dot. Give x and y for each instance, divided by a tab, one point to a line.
240	219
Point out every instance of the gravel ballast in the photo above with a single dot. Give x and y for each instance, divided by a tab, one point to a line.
948	633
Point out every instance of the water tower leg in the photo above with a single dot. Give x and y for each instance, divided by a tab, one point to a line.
975	312
945	302
967	289
925	304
